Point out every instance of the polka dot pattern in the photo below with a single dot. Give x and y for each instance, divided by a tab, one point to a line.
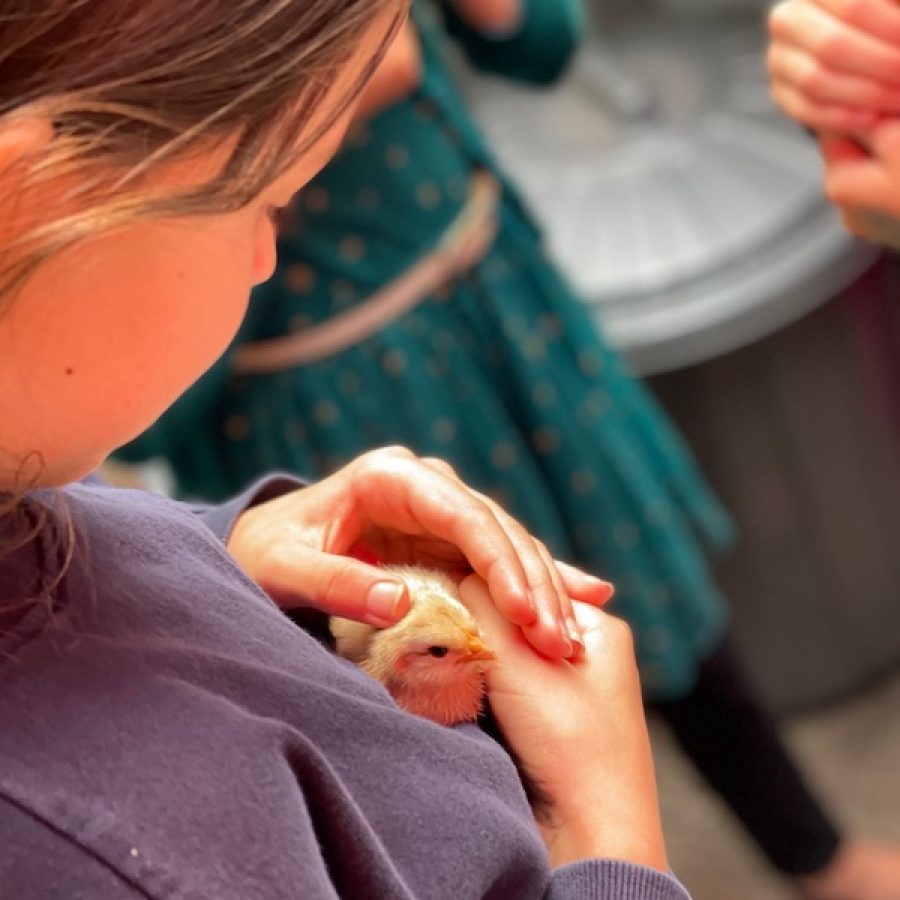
352	248
237	427
368	199
546	440
503	455
299	278
544	394
394	363
397	157
326	413
316	199
428	195
444	429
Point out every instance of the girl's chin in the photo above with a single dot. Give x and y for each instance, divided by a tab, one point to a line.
33	471
63	472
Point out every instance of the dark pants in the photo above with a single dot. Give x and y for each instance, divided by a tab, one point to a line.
733	742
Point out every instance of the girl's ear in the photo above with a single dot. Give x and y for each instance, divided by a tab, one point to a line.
21	136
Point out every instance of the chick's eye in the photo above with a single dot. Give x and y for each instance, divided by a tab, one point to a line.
438	652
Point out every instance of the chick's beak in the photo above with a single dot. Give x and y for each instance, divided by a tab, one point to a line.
476	649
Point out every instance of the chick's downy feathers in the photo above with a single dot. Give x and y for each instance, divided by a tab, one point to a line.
433	660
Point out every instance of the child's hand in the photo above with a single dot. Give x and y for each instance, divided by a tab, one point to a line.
396	77
578	731
835	64
394	507
492	17
862	177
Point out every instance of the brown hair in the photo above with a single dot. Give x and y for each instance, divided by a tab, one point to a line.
44	528
130	85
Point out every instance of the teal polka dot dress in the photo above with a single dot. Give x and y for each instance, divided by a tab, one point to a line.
502	372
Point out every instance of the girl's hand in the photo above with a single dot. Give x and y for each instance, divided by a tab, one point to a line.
578	731
307	548
835	64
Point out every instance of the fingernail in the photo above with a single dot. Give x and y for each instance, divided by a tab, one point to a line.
383	602
596	581
575	637
563	631
601	581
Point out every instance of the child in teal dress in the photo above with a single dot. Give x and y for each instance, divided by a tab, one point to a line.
501	371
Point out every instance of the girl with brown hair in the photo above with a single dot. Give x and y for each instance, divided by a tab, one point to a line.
165	730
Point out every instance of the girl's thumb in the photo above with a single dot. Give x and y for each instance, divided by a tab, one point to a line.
342	586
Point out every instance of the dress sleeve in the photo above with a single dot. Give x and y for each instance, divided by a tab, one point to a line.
607	879
538	51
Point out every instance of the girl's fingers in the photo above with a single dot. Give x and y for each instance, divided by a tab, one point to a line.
398	492
837	45
584	587
552	583
561	611
297	575
306	548
552	632
555	629
795	68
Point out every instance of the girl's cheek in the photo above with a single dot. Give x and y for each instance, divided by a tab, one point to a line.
264	256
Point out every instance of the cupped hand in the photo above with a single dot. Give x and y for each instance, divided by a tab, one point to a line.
314	547
835	64
578	730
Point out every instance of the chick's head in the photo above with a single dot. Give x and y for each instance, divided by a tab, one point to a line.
433	661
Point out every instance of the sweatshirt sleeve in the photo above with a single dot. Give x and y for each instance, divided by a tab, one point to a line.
608	879
220	518
537	52
39	862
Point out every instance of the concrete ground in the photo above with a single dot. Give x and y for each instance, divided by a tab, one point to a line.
850	753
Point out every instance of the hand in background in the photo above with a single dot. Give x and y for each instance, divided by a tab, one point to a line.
835	64
394	507
491	17
578	731
397	76
862	177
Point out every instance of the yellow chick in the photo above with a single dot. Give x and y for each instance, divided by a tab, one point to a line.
433	660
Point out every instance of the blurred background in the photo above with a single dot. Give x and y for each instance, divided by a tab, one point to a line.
690	214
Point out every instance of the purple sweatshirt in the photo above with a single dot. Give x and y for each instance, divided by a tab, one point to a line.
169	733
